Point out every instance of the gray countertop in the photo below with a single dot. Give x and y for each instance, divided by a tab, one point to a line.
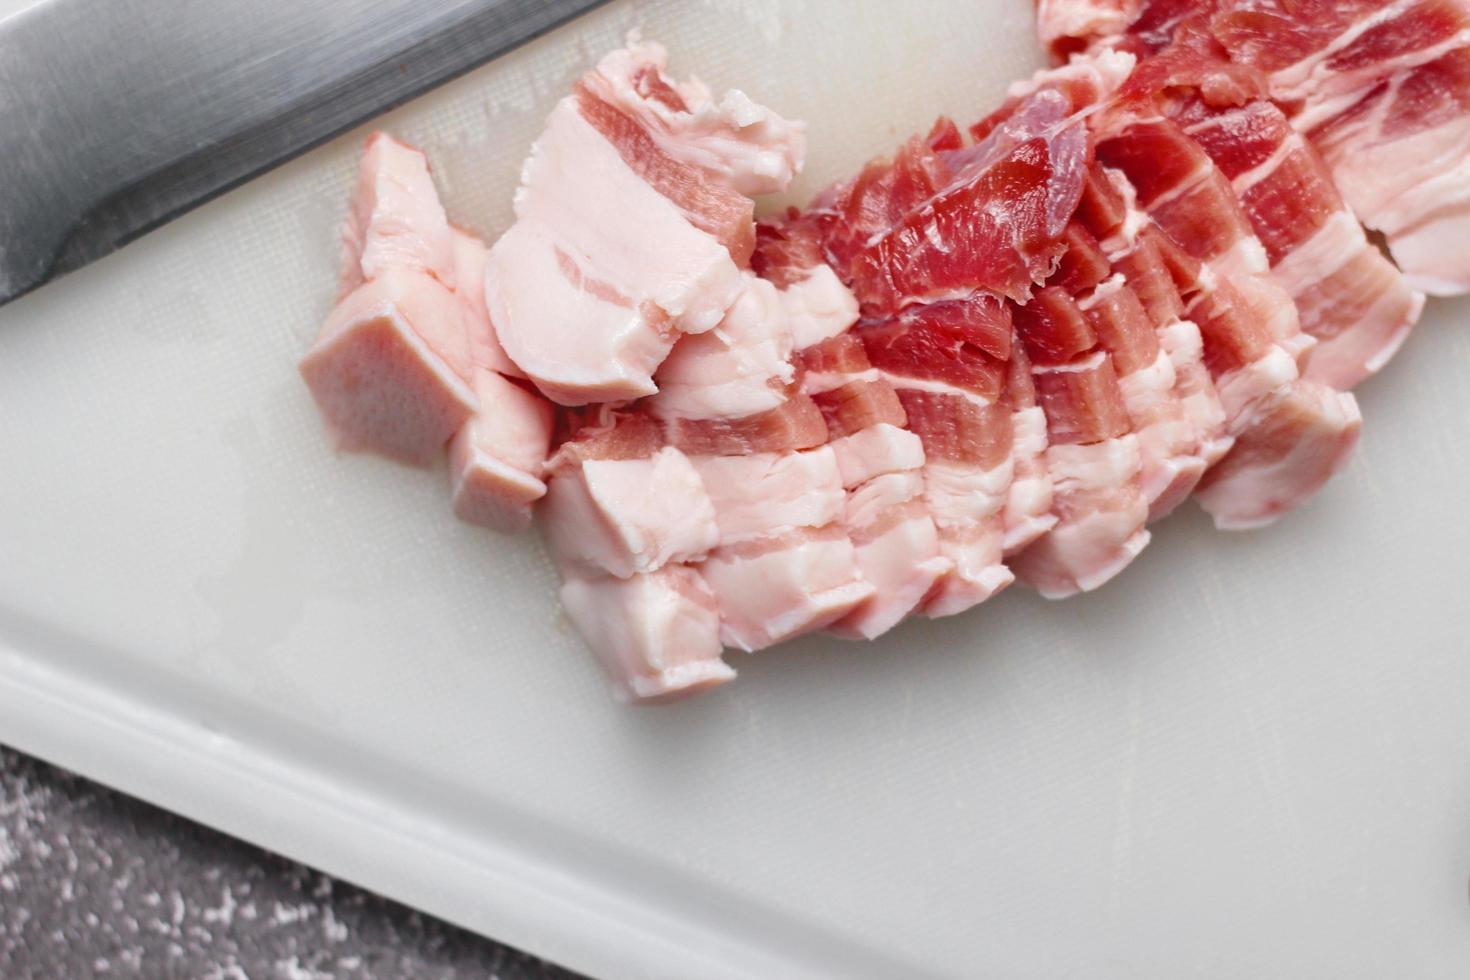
94	883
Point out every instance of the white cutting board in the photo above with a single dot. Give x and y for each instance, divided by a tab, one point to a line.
1248	757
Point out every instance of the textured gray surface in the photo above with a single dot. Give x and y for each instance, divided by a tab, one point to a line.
94	883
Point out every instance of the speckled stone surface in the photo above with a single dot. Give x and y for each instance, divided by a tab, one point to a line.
93	883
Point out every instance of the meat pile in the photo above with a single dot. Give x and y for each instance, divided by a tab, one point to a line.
998	354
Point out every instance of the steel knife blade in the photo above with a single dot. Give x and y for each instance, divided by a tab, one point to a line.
117	116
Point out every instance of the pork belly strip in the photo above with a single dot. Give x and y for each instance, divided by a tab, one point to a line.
1381	89
633	221
1247	323
880	462
623	515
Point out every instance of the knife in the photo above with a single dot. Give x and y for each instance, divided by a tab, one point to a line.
117	116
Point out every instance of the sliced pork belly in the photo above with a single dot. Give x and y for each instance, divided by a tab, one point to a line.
785	565
742	145
1247	323
657	635
622	515
1028	512
470	260
879	462
396	220
621	244
1351	299
1187	196
1155	270
1092	455
739	369
627	516
496	458
1168	438
390	370
951	393
929	225
1401	157
881	466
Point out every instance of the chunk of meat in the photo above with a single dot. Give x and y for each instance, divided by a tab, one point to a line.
656	635
740	368
1101	511
1053	328
1028	502
968	503
626	516
496	458
1351	299
1168	440
390	369
1288	443
707	204
601	272
1399	156
875	451
736	142
396	220
779	587
898	552
471	258
771	493
895	540
1082	400
931	225
795	424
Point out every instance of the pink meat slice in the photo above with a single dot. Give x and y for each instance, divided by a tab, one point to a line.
880	464
496	458
656	635
1399	156
1168	439
1028	512
1156	270
623	513
601	273
627	516
396	220
739	369
781	586
1092	456
738	143
772	493
621	244
1351	299
952	394
390	370
1246	324
471	258
785	565
928	225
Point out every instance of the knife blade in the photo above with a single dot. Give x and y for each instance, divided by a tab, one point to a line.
117	116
